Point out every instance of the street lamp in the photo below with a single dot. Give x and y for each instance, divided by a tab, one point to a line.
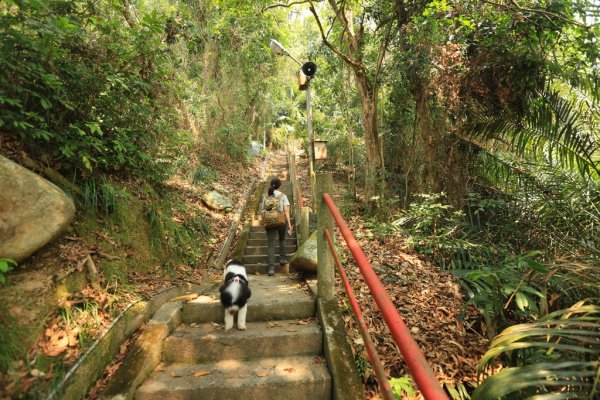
305	74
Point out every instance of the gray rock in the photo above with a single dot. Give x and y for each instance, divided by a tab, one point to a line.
216	201
33	211
254	148
305	258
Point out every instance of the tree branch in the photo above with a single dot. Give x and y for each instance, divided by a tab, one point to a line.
380	57
286	5
353	63
127	14
547	14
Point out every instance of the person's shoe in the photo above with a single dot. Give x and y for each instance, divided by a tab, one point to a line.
282	262
271	271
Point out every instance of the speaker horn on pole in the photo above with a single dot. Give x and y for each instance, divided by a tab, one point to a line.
309	69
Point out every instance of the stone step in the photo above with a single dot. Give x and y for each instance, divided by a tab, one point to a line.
207	342
263	268
273	298
258	232
263	250
249	259
279	173
261	229
283	378
261	240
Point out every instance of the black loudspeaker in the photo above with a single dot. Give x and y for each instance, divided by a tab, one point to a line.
309	69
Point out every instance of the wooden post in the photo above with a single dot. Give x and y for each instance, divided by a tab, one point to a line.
325	265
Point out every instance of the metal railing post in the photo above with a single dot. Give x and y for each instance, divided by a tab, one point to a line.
325	265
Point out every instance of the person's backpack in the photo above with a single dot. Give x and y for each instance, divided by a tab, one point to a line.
271	212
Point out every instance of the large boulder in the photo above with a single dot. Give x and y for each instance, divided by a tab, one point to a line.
33	211
216	201
305	259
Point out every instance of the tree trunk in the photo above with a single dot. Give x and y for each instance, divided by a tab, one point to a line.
374	167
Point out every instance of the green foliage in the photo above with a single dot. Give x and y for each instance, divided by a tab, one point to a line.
556	356
479	247
171	233
71	69
402	386
553	131
458	391
362	364
6	264
84	317
492	288
433	227
205	175
101	196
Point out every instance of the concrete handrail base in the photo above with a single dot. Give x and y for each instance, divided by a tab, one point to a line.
347	384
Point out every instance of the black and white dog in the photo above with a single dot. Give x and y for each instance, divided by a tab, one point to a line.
235	293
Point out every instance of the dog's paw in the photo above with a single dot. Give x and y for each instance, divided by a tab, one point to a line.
242	327
228	328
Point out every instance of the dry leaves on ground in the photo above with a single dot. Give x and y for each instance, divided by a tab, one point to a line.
429	301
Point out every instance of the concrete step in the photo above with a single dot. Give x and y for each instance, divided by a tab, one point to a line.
284	183
285	378
273	298
261	229
279	173
263	250
263	268
258	232
263	258
207	342
261	240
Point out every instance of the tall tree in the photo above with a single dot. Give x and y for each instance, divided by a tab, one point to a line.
351	19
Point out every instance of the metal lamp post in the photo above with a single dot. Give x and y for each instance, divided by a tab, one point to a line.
305	75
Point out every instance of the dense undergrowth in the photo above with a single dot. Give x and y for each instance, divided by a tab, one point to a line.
134	109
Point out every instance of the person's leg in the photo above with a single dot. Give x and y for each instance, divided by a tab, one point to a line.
271	233
282	255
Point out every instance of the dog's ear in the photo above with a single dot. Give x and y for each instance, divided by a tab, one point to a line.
247	291
228	276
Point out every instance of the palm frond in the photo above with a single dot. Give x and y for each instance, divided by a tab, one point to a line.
554	131
556	355
563	380
565	205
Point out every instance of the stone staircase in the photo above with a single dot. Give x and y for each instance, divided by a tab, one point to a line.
279	356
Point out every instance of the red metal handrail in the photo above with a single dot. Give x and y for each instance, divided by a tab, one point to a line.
413	356
386	389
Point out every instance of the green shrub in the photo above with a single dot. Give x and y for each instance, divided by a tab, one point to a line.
79	85
205	175
6	264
